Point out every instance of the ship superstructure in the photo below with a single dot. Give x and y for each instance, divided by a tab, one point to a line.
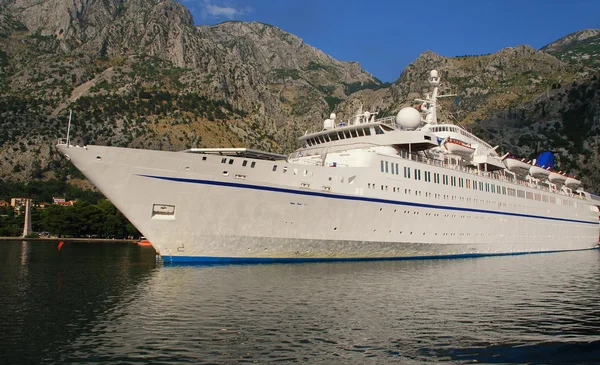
366	188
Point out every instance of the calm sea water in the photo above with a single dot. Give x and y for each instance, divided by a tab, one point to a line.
114	303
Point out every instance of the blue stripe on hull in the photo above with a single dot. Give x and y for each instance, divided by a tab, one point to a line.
266	260
357	198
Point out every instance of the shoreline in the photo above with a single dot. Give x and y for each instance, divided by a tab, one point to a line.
69	239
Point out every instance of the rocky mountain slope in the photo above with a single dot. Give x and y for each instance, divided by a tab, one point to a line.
139	73
580	48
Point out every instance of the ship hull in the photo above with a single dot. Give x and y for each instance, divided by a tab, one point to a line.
212	211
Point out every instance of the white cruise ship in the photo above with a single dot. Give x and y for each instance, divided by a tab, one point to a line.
390	188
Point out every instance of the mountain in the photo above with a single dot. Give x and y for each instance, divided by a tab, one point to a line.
139	73
580	48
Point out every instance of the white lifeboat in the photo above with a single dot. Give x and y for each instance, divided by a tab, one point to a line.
517	166
572	182
539	172
457	147
557	178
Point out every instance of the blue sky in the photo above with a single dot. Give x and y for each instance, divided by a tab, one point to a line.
385	36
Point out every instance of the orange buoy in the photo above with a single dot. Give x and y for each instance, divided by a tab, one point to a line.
60	244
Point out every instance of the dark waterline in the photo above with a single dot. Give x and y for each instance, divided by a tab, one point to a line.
115	303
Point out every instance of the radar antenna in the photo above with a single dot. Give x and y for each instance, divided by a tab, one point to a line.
430	101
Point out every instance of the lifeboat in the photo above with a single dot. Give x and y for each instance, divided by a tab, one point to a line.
557	178
572	182
517	166
457	147
539	172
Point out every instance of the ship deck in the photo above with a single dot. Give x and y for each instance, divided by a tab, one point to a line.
239	152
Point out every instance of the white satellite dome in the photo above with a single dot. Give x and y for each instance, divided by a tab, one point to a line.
433	73
409	118
328	124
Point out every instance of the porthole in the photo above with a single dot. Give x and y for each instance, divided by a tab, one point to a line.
99	158
186	168
225	173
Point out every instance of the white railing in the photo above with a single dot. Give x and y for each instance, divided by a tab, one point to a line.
389	121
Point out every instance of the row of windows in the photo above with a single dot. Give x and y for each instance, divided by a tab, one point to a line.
466	183
345	134
450	128
244	163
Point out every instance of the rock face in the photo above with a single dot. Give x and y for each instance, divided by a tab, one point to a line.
139	73
483	84
234	83
580	48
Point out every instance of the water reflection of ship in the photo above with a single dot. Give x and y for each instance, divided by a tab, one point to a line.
53	297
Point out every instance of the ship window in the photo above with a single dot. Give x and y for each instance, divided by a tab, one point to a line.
231	161
378	130
333	136
203	158
347	134
353	132
493	188
253	164
481	186
274	167
360	132
428	138
245	163
397	171
224	160
367	131
386	167
381	165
